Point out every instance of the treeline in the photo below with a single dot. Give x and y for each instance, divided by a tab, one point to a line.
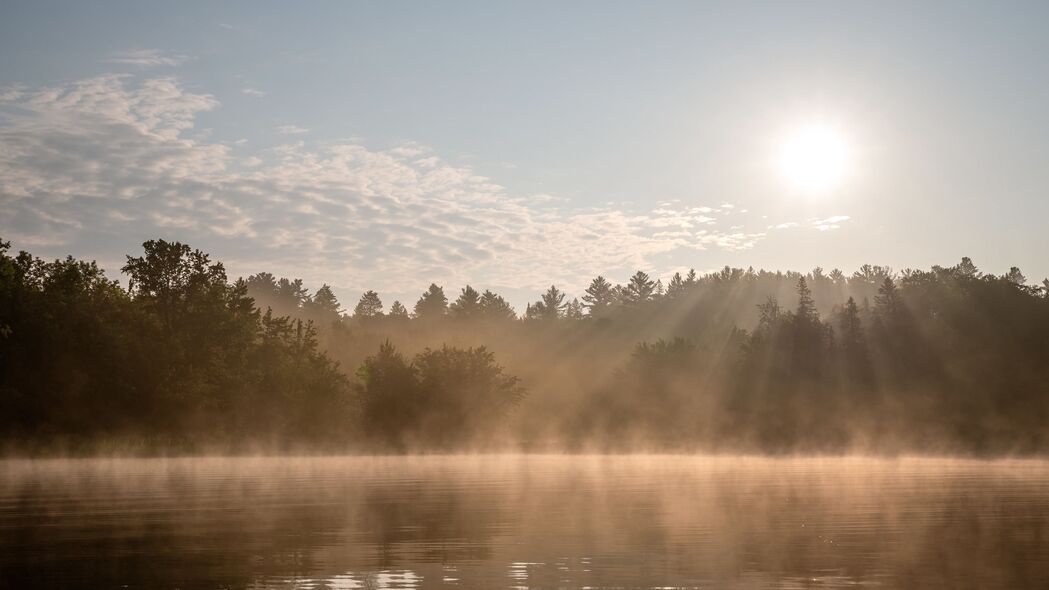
944	360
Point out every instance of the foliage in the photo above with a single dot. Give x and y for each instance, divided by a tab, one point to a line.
444	397
433	304
369	306
946	359
181	356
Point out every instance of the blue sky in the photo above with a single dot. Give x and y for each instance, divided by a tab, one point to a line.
386	145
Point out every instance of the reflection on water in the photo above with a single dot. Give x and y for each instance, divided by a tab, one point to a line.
524	521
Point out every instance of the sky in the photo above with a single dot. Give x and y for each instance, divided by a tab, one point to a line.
388	145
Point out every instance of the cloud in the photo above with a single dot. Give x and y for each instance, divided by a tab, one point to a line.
830	223
148	58
292	130
12	93
253	92
96	166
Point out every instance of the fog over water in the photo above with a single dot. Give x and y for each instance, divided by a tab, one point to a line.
524	521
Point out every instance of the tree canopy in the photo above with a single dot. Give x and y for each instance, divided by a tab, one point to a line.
949	359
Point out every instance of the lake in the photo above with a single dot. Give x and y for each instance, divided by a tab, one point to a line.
524	521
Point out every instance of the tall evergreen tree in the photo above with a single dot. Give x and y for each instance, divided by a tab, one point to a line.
397	310
467	305
676	286
806	311
291	294
369	306
966	269
1015	277
432	304
690	278
494	307
574	310
640	288
553	301
551	305
887	304
850	325
599	296
325	302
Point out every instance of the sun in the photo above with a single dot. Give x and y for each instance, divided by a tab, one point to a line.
814	159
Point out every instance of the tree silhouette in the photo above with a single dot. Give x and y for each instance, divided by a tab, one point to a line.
467	305
392	400
494	307
550	306
291	294
185	359
599	296
1015	277
369	306
325	302
676	286
639	289
397	310
853	344
432	304
444	397
574	310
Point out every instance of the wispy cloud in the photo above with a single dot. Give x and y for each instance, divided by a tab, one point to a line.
97	165
292	130
830	223
148	58
253	92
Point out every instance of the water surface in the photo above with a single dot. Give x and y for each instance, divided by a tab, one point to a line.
520	521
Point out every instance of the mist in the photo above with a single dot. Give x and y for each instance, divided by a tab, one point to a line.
526	520
948	360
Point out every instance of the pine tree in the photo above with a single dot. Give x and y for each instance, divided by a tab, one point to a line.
325	302
1015	277
495	307
432	304
574	310
640	288
887	303
599	296
369	306
291	294
397	310
553	304
468	305
806	311
676	286
851	328
768	315
966	269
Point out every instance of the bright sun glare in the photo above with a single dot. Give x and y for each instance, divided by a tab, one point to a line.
814	159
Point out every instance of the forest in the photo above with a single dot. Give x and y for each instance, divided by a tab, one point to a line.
185	360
